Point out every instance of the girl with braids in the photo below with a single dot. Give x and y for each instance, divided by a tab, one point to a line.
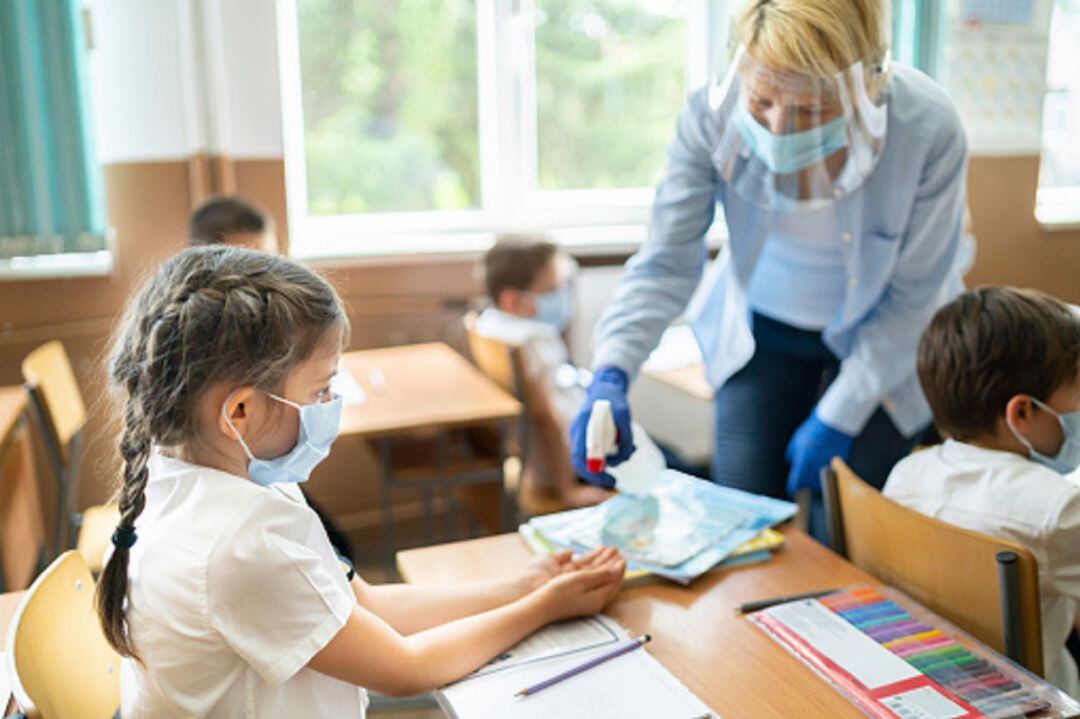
222	591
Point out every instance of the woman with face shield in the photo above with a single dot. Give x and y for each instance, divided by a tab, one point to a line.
840	177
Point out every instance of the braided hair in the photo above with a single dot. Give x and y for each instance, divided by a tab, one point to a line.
209	315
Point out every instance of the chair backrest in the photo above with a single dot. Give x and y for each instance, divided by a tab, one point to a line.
51	382
952	571
494	358
60	665
22	524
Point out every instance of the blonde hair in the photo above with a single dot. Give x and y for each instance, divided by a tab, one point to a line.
815	37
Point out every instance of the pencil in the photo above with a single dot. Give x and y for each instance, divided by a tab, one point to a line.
766	603
597	661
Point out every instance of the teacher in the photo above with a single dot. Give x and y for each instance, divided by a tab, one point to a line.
841	178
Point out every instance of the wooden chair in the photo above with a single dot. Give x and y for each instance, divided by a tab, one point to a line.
59	663
988	587
540	449
61	415
23	537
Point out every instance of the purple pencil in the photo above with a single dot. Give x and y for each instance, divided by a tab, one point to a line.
618	652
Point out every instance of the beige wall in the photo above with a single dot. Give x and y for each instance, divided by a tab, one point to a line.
148	204
1012	249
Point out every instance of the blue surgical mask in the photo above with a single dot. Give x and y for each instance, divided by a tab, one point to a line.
555	308
784	154
319	425
1067	459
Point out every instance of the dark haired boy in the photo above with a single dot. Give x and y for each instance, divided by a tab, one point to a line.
528	281
1000	368
232	220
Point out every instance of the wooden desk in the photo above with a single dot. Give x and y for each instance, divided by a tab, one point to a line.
734	667
426	387
689	379
22	525
422	386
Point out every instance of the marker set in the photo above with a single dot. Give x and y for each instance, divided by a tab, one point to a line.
952	666
897	660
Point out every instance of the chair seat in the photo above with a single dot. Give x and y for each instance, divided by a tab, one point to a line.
95	533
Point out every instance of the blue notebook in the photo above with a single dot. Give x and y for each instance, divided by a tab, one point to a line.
680	530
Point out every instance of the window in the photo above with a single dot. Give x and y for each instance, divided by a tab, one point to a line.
415	125
426	125
52	202
389	105
609	82
1059	172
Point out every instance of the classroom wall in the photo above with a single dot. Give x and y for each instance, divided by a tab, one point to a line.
155	160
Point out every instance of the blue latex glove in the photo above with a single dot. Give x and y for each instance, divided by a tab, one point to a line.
609	383
812	447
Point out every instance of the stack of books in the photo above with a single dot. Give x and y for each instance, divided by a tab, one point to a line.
681	529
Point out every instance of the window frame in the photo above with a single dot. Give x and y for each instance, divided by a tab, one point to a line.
509	197
1056	208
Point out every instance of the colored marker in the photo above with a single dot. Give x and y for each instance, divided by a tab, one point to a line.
887	633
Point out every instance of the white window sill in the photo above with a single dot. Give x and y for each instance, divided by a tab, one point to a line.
590	241
60	266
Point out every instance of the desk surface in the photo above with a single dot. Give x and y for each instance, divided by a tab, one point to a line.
733	666
12	403
420	386
689	379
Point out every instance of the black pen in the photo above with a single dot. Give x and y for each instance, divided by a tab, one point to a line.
766	603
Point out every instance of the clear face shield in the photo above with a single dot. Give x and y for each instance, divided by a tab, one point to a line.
790	142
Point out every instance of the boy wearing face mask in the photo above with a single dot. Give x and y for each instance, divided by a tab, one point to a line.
1001	370
529	283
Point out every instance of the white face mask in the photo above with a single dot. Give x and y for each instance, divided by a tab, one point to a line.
319	426
1067	459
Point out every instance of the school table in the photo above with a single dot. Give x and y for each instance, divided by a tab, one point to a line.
674	405
733	666
689	379
426	387
22	528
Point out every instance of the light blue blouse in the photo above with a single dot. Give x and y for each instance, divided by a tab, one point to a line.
901	256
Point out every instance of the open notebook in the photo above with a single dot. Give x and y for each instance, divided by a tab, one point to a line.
633	685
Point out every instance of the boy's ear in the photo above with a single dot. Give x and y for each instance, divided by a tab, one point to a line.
1018	411
236	408
510	301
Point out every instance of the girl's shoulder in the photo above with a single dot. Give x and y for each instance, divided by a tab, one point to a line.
205	508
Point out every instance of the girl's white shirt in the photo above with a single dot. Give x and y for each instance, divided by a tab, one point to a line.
233	588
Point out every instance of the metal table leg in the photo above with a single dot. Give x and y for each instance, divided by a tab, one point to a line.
386	485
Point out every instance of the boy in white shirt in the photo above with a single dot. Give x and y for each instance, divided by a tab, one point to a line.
1001	370
529	283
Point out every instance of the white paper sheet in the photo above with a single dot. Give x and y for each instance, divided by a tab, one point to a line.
344	384
631	686
856	653
558	640
678	348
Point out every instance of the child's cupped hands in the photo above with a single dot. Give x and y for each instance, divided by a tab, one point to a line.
544	568
585	585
